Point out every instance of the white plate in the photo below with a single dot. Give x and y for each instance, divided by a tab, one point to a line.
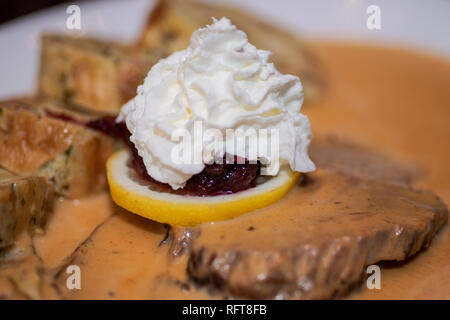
416	23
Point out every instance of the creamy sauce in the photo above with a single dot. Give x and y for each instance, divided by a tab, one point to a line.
390	100
72	223
124	260
398	102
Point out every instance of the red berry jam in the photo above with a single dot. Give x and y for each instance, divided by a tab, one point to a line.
213	180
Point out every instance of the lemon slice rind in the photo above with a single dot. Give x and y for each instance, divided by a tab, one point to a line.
184	210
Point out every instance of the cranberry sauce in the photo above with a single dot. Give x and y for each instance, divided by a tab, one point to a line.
63	117
215	179
109	126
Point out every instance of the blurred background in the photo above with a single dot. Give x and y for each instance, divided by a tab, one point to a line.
411	23
10	10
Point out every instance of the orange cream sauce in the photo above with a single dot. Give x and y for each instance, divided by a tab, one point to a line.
71	224
398	102
391	100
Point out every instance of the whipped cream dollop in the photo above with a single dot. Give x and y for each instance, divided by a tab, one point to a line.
226	83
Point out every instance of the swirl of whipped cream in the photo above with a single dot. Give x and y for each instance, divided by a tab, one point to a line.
225	82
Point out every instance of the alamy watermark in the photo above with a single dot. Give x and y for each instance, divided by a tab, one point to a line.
209	145
74	279
374	280
373	21
73	21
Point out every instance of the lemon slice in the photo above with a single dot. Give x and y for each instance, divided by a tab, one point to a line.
186	210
